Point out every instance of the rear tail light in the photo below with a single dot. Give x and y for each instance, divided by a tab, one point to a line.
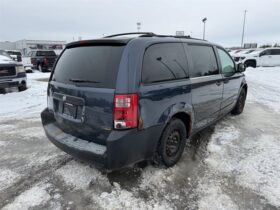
45	61
125	111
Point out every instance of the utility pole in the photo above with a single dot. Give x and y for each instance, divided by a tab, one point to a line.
138	26
204	23
244	21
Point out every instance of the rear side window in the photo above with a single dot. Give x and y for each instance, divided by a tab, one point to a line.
275	52
204	61
95	66
163	62
267	52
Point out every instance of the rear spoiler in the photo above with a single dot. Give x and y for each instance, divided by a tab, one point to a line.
98	42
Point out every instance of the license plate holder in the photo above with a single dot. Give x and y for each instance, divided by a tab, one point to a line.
69	110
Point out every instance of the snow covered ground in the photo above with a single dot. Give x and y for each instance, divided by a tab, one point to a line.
232	165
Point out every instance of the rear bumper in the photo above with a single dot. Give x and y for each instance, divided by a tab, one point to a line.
122	148
15	81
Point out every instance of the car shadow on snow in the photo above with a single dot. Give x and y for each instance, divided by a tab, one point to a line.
9	90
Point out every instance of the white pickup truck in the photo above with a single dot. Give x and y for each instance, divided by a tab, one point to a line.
264	57
12	73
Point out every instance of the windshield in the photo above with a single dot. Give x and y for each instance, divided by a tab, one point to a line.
250	51
14	53
95	66
2	52
46	53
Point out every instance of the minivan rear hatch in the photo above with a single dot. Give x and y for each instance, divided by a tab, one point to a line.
82	87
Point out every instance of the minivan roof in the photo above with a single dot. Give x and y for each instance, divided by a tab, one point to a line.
120	39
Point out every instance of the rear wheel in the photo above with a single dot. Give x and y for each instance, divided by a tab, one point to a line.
172	143
238	109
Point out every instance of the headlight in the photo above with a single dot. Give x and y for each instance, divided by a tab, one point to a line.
20	69
242	58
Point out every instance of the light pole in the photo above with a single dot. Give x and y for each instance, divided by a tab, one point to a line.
244	21
138	26
204	23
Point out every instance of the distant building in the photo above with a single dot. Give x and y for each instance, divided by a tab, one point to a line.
250	45
7	45
25	46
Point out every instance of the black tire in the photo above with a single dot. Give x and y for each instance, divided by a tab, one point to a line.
22	88
29	71
172	143
250	63
239	106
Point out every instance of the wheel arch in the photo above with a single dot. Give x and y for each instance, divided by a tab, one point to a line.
245	86
186	119
251	60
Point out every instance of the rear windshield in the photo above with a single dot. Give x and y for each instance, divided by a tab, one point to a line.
95	66
14	53
46	53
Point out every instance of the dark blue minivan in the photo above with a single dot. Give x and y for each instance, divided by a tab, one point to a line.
120	100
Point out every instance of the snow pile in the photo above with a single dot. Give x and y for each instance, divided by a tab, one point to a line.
37	195
264	86
29	102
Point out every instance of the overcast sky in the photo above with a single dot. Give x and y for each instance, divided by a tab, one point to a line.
65	19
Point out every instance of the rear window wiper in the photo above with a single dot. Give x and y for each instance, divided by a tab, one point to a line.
83	81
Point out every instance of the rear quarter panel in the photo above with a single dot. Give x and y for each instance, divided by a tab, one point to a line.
158	103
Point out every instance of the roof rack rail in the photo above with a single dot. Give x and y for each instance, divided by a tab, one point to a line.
172	36
131	33
151	34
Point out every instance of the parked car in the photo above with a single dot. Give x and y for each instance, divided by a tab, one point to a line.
269	57
26	62
117	101
12	74
43	60
15	54
232	52
239	57
264	57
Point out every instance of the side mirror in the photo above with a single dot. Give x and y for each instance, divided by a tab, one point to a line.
241	67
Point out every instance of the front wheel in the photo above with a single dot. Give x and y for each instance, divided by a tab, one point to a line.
239	106
172	143
23	87
250	63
